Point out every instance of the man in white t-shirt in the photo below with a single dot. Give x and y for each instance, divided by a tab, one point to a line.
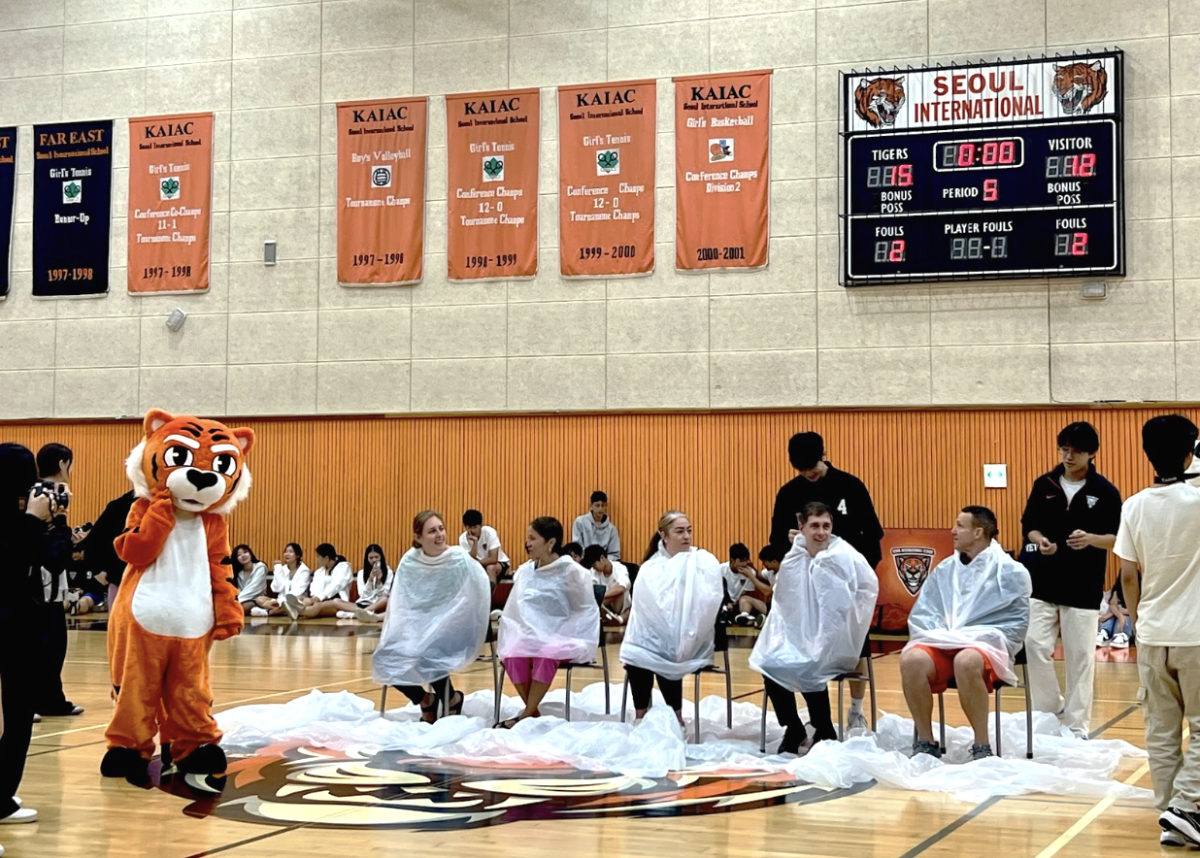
1160	532
746	590
614	577
483	543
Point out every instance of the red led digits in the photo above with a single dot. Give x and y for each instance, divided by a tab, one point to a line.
990	194
965	155
893	176
890	251
1071	244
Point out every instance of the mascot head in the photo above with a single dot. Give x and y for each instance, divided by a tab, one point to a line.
201	462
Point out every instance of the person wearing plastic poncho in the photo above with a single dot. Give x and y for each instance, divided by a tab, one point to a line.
551	617
825	596
672	624
968	624
436	621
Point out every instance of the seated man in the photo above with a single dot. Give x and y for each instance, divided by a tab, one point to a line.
573	550
594	527
483	544
968	624
824	599
745	589
770	558
614	577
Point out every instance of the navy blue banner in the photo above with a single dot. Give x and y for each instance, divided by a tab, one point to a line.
8	184
72	204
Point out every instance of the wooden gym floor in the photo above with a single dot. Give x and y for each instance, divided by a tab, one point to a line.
85	815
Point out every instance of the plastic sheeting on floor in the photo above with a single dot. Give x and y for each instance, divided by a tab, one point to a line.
593	741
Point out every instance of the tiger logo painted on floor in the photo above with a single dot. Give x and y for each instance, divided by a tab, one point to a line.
286	785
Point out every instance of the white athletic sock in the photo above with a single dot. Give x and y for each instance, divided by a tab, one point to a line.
855	706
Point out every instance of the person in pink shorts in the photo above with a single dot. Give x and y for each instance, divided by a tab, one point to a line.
551	617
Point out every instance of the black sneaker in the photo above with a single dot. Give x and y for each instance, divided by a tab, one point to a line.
1185	822
793	739
981	752
931	748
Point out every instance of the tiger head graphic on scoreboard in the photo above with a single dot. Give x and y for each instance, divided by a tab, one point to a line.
1080	86
878	101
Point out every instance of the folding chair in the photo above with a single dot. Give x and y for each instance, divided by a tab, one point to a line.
598	591
841	681
721	645
1023	683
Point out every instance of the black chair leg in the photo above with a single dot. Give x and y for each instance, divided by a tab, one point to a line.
762	735
999	737
942	720
1028	713
607	690
871	688
624	695
697	709
569	668
499	690
728	693
383	701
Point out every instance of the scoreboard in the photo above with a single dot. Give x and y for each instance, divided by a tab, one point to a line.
998	171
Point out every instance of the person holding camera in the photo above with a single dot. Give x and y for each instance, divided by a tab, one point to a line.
28	543
54	463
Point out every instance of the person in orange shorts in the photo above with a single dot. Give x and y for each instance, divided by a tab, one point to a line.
968	624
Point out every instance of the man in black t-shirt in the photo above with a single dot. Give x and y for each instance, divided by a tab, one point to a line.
1070	523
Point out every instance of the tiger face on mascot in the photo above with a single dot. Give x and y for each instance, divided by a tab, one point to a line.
177	595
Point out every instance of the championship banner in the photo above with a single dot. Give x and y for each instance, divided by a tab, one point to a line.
170	202
492	148
8	184
909	555
381	190
722	170
606	154
72	208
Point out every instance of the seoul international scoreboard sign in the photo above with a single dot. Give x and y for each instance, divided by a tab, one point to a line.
998	171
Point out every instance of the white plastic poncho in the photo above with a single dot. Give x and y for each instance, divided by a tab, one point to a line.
551	613
437	618
983	604
819	618
673	621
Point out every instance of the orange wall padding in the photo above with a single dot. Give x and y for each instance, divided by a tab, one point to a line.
350	481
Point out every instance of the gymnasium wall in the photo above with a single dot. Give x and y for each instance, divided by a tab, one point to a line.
289	341
354	481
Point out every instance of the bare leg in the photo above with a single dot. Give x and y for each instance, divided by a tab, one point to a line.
972	691
85	605
917	674
379	607
493	571
323	609
858	689
532	695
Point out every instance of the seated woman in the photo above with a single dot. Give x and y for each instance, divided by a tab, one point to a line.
250	577
290	576
825	596
83	593
374	581
330	587
551	617
672	624
437	621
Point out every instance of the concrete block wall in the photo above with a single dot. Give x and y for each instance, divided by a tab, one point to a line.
290	340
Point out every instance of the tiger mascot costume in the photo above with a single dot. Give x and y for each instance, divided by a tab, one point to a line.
177	596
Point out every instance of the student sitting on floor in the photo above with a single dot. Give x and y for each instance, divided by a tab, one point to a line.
83	593
770	557
1116	626
550	618
573	550
745	590
824	598
968	624
250	577
374	583
291	575
614	577
329	591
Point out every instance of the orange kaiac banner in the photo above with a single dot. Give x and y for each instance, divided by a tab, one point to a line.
722	170
381	190
492	148
170	202
606	152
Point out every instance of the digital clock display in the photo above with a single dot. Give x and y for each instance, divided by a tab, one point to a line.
947	189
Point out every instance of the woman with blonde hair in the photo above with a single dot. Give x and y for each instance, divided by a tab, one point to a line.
672	623
436	620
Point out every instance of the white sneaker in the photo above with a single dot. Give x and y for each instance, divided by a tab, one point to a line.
292	605
857	721
365	616
37	719
259	612
1120	641
1102	638
1171	838
496	614
21	814
345	615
